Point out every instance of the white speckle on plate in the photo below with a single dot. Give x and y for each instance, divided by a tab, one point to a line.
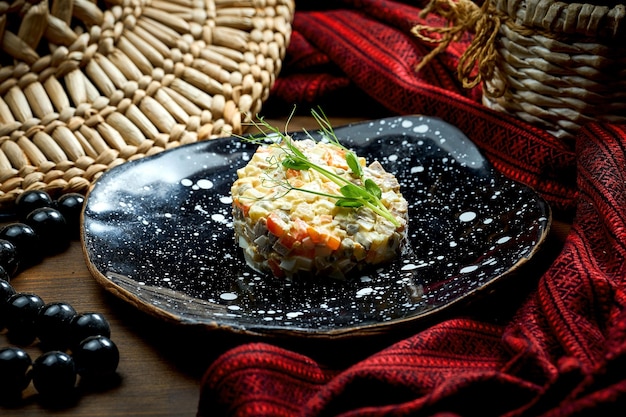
294	314
226	200
205	184
468	216
364	291
415	170
228	296
503	239
220	218
421	128
410	267
186	182
469	269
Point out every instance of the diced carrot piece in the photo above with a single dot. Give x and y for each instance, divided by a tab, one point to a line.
296	233
287	240
299	229
333	242
275	225
336	159
315	236
243	207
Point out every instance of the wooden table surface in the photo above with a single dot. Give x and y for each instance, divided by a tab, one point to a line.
161	364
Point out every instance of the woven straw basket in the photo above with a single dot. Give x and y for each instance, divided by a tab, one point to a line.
556	65
86	85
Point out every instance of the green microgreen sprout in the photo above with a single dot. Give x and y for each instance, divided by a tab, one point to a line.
352	195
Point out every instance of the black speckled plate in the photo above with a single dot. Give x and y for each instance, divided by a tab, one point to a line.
157	232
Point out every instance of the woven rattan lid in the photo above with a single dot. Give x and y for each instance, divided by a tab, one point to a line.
86	85
600	20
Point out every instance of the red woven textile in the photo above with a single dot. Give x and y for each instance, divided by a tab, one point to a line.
367	44
562	354
559	351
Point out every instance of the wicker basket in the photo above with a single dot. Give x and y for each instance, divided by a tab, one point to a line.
85	85
556	65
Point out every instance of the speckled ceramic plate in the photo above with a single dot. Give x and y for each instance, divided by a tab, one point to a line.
157	232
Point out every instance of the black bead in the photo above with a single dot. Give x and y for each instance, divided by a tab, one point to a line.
14	365
71	206
6	291
30	200
54	325
89	324
54	373
4	274
97	356
21	314
8	257
51	227
25	240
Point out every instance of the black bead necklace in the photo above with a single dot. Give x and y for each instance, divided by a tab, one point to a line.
74	344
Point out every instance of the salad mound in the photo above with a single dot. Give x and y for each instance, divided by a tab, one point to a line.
315	208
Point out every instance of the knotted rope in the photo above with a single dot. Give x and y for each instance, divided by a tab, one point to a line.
464	16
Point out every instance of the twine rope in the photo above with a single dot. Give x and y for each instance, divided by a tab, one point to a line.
464	16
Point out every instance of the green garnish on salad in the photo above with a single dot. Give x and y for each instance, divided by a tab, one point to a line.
351	195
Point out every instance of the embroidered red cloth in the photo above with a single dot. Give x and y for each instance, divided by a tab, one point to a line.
367	45
559	350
